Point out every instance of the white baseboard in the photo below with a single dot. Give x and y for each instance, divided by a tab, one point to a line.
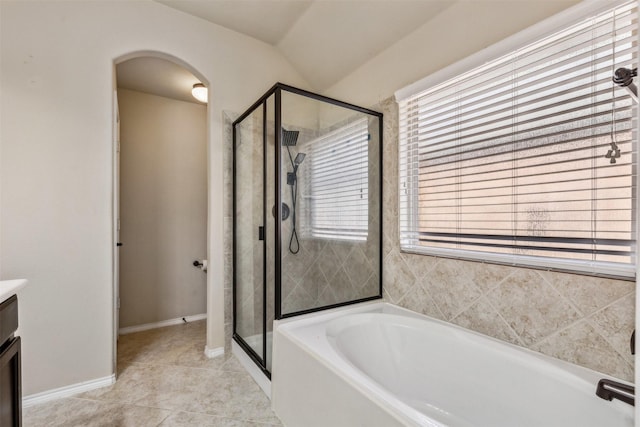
70	390
161	324
213	352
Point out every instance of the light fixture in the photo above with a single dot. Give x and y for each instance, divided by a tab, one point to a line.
200	92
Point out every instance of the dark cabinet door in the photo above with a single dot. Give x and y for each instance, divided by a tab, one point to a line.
10	385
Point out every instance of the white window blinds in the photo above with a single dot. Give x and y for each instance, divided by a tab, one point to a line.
338	177
506	162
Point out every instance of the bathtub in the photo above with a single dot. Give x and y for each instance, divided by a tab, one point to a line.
380	365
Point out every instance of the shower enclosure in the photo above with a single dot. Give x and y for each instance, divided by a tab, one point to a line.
307	187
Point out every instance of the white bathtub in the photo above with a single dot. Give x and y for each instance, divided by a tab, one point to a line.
380	365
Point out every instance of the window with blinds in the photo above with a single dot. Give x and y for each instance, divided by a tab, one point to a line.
338	183
506	162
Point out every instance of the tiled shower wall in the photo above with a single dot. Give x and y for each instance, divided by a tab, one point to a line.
327	271
581	319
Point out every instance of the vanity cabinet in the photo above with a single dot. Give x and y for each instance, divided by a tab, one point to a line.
10	369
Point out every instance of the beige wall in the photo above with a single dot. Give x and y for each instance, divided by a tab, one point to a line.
462	29
163	207
56	173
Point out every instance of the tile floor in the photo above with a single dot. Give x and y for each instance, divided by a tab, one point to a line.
165	380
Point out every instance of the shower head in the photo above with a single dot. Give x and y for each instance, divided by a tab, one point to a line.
289	137
292	177
299	159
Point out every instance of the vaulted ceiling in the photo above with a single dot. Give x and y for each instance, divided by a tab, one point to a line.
324	40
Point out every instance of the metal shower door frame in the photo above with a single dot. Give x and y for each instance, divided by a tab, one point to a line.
276	91
260	361
278	87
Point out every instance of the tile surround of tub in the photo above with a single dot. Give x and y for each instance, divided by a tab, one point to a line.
581	319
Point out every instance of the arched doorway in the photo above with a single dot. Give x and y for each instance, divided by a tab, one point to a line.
160	194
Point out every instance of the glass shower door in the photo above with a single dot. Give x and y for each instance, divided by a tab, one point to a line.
249	234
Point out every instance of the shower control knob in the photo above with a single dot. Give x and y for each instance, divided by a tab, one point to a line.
285	211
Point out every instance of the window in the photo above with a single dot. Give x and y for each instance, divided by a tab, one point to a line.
506	162
338	183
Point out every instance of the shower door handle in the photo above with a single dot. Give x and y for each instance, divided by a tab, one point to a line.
261	233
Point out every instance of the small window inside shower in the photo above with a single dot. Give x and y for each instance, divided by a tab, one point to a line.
337	205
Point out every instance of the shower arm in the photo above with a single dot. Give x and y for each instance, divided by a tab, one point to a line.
290	156
623	77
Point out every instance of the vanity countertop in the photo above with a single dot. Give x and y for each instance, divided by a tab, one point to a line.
10	287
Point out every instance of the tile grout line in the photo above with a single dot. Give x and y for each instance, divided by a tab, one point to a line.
509	327
600	332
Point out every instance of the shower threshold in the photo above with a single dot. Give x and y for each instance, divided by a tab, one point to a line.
249	365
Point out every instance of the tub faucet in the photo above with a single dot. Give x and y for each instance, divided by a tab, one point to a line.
609	389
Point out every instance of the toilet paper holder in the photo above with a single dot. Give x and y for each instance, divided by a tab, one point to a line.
201	264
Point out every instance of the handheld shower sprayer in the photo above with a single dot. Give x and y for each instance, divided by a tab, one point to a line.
292	177
290	139
299	159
